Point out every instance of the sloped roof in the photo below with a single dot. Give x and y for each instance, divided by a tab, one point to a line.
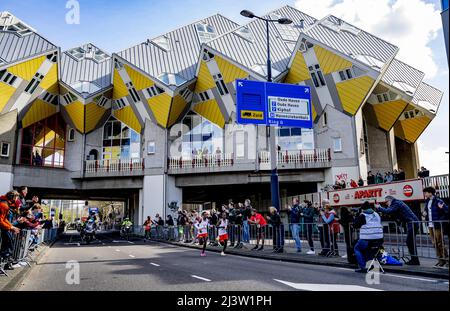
399	73
182	57
86	68
428	97
352	41
19	41
282	40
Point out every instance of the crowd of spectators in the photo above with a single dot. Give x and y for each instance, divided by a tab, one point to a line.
243	223
17	214
377	178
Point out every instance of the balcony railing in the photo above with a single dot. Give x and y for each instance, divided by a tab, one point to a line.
133	165
298	156
220	162
440	183
205	161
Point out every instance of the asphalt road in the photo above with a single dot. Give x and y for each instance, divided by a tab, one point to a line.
114	264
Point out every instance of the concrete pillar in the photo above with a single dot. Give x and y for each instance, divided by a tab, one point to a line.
380	158
393	149
6	182
157	193
363	168
173	194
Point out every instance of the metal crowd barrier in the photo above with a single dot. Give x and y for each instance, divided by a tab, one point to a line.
25	243
323	238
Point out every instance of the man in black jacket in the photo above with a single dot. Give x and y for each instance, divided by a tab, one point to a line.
238	225
246	214
232	213
277	228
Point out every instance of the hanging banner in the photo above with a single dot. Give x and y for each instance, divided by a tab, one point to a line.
408	190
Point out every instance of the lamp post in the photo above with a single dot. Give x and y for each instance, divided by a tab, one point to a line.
270	131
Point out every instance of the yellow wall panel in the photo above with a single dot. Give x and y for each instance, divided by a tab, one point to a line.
314	113
211	111
411	129
388	113
160	106
204	80
6	92
127	116
28	69
229	71
120	90
76	113
94	114
50	81
299	71
38	111
140	82
353	92
330	62
178	106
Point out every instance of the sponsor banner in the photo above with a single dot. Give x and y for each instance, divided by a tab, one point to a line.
408	190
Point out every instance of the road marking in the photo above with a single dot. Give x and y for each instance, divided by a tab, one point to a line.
412	278
132	256
200	278
154	264
109	246
402	277
326	287
117	250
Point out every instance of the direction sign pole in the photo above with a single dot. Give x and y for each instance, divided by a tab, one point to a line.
271	139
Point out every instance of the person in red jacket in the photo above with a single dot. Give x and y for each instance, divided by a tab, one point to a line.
353	183
7	203
258	220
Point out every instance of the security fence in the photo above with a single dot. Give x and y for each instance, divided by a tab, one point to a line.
20	247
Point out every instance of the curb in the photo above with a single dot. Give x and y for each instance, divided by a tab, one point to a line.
14	283
303	261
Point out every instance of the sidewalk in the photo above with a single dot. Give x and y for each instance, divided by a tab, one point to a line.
290	255
10	282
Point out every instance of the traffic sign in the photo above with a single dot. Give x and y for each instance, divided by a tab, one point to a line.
273	104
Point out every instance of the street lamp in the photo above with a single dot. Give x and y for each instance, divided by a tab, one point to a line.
270	131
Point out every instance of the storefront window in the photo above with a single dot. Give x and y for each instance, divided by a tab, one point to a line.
43	143
119	141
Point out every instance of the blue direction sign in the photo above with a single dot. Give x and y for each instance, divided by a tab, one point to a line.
273	104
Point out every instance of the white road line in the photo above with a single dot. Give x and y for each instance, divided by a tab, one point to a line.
200	278
326	287
401	276
132	256
412	278
347	269
154	264
117	250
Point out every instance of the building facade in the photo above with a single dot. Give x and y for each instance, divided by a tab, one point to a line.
156	123
444	15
